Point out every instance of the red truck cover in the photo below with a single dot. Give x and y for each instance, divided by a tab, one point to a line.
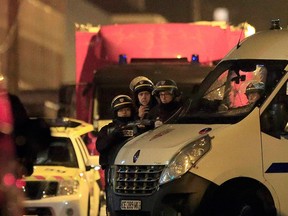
97	49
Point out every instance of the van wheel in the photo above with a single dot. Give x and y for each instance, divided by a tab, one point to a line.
242	202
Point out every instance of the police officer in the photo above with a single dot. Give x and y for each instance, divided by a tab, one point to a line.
169	97
115	133
144	101
254	91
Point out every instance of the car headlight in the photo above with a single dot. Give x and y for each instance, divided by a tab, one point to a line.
68	187
185	159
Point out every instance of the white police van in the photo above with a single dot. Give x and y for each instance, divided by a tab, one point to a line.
221	154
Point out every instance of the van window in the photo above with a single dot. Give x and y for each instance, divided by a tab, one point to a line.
223	95
274	119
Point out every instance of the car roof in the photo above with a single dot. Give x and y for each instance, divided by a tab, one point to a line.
65	127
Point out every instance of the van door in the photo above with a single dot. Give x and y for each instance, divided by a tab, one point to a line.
275	144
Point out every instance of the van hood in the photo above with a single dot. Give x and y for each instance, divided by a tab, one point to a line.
52	173
158	146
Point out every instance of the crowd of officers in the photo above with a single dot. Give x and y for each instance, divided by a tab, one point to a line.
150	106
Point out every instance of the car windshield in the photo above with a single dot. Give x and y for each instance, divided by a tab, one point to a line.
59	153
225	96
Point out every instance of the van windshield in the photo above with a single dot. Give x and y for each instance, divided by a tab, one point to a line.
231	91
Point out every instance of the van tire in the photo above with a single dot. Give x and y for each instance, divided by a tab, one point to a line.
241	201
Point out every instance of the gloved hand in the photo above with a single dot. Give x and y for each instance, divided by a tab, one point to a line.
158	122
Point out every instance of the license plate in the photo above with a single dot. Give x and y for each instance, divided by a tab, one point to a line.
130	205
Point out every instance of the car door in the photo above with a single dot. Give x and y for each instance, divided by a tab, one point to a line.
92	177
90	172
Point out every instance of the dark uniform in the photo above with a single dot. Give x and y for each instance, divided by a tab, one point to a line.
163	111
111	136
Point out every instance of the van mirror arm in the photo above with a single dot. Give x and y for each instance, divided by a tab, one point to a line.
286	128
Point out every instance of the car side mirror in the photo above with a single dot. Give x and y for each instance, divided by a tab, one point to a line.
93	163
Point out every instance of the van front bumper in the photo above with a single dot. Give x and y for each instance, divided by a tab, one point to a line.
184	195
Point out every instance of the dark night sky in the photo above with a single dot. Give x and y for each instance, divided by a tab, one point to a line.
258	13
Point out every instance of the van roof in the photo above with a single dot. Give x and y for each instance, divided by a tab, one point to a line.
265	45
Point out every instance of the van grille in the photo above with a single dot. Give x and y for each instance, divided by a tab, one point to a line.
142	180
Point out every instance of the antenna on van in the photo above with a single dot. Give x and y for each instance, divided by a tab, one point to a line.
241	33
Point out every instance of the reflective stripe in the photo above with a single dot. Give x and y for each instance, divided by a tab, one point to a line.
278	168
58	178
38	177
48	178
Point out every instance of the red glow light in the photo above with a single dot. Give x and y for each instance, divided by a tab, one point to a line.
9	179
20	183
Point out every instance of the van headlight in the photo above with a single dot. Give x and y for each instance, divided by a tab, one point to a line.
185	159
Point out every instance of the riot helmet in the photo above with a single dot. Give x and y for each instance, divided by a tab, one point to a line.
166	85
121	101
258	87
141	83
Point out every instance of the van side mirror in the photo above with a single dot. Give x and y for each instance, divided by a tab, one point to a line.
238	78
285	134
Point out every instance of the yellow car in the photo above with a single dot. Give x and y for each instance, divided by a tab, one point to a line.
66	178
